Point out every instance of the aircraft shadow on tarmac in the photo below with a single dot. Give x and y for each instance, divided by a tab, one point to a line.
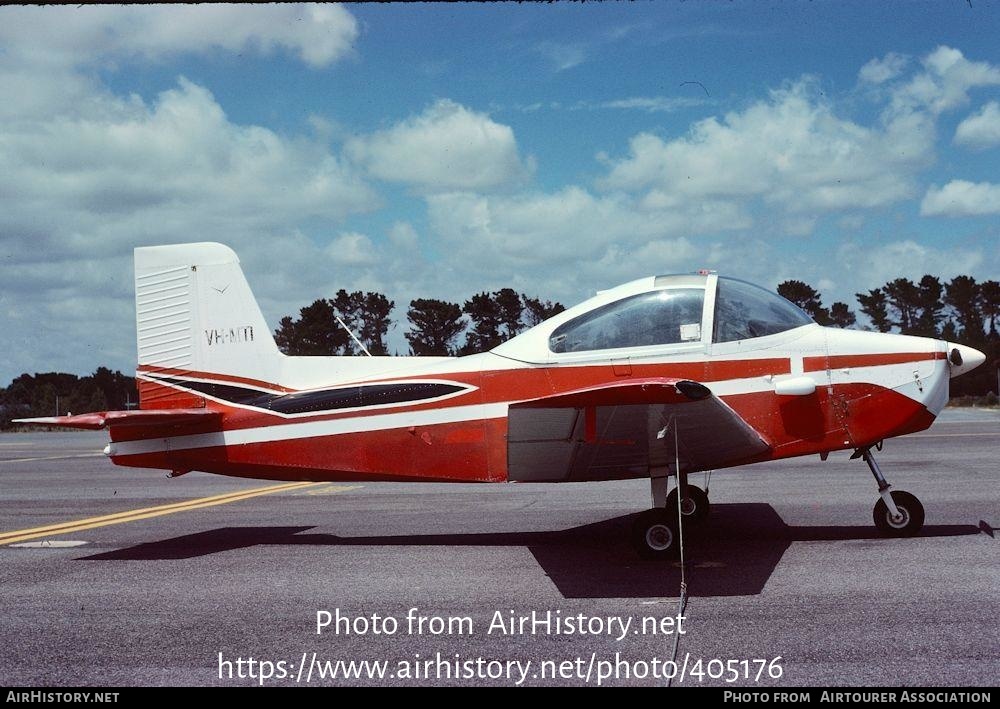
734	554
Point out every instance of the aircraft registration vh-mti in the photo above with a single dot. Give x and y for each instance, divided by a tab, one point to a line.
657	378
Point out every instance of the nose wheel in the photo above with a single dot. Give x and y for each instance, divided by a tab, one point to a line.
897	513
907	521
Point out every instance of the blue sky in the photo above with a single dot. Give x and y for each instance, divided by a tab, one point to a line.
440	150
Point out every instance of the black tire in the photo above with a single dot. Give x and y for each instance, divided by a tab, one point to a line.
912	515
654	535
695	505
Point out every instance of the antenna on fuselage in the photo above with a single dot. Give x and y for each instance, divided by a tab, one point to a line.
353	336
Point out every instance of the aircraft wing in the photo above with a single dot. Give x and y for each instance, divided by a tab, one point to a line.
140	417
621	430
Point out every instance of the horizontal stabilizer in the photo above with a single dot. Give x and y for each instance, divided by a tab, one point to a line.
102	419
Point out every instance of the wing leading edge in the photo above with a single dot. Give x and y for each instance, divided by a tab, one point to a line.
617	431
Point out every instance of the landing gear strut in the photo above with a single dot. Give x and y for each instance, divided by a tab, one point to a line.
897	513
655	532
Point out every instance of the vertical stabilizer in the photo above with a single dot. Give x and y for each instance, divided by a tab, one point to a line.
195	314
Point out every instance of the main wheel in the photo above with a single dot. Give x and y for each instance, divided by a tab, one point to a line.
654	534
911	515
694	506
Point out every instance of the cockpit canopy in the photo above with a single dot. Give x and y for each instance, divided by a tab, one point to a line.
665	313
744	311
661	317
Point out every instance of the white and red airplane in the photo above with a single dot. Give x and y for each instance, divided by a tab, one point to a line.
663	376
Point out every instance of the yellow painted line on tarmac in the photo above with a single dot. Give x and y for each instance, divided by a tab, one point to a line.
80	525
52	457
331	489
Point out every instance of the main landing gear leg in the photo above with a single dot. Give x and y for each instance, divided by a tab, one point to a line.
659	481
897	513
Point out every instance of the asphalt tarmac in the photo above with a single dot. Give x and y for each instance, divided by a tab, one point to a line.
178	589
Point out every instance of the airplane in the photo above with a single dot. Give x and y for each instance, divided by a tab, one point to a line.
658	378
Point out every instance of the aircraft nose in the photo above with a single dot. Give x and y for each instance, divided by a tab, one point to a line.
963	359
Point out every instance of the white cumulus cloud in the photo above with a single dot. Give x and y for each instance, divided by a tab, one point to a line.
132	172
961	198
353	249
981	130
871	267
791	150
878	71
944	84
318	34
447	147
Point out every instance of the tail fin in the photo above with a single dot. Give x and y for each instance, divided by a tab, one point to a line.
195	315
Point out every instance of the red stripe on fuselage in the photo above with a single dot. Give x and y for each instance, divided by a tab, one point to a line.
213	377
847	361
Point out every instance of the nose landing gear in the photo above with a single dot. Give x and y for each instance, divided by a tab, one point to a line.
897	513
907	521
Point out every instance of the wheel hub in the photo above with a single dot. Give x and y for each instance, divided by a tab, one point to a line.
898	521
659	537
